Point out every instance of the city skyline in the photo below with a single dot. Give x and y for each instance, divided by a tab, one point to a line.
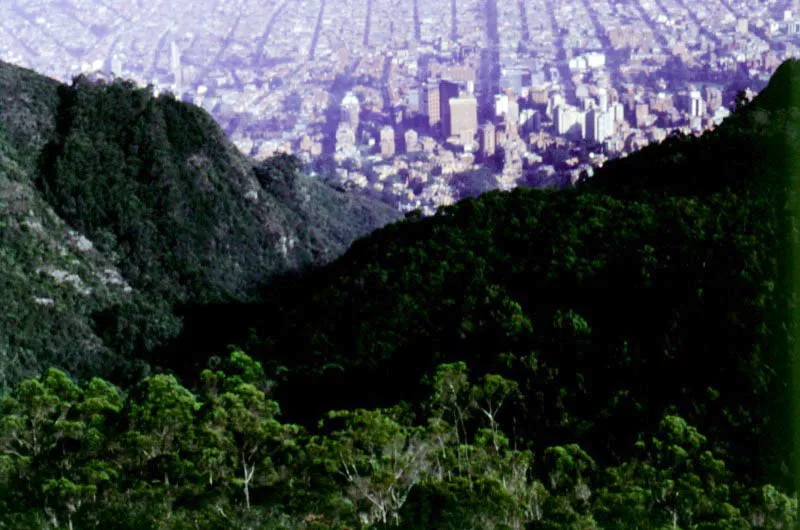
564	85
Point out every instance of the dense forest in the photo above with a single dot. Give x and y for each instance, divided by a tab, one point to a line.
162	456
617	355
117	206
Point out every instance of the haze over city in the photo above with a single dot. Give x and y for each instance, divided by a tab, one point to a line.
419	102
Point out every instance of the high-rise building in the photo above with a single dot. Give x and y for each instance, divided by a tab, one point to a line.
350	110
641	113
697	107
387	142
692	103
412	141
599	125
500	105
116	66
488	139
447	91
742	26
175	65
554	101
174	57
713	98
430	103
602	98
569	121
463	114
618	110
345	141
513	112
436	98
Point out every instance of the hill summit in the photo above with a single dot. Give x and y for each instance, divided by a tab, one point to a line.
115	205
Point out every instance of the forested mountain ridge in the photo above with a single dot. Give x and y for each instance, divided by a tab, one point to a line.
614	356
115	205
660	285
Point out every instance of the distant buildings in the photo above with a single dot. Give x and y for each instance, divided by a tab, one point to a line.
350	110
387	142
175	66
599	125
412	141
436	99
464	118
713	98
742	26
569	121
116	66
692	103
534	101
488	140
602	98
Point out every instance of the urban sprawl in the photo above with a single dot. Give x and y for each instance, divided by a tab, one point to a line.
423	102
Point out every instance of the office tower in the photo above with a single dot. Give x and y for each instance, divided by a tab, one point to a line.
500	105
436	97
569	121
350	110
513	112
430	103
713	98
447	91
174	57
345	137
602	98
387	142
463	114
116	66
599	125
175	64
554	101
741	26
697	106
642	112
488	140
412	141
618	110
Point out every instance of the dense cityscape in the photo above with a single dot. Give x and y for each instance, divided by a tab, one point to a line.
418	102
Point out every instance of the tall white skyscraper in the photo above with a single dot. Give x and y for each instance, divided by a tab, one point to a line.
175	65
350	110
387	142
464	117
599	125
602	98
116	66
697	107
569	120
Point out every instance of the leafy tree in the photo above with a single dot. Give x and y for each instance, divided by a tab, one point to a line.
242	427
676	482
380	458
160	416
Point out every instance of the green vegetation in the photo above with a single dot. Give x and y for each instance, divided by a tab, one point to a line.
162	456
117	207
610	356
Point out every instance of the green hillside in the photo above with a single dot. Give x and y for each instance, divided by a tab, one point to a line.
614	356
116	205
661	285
